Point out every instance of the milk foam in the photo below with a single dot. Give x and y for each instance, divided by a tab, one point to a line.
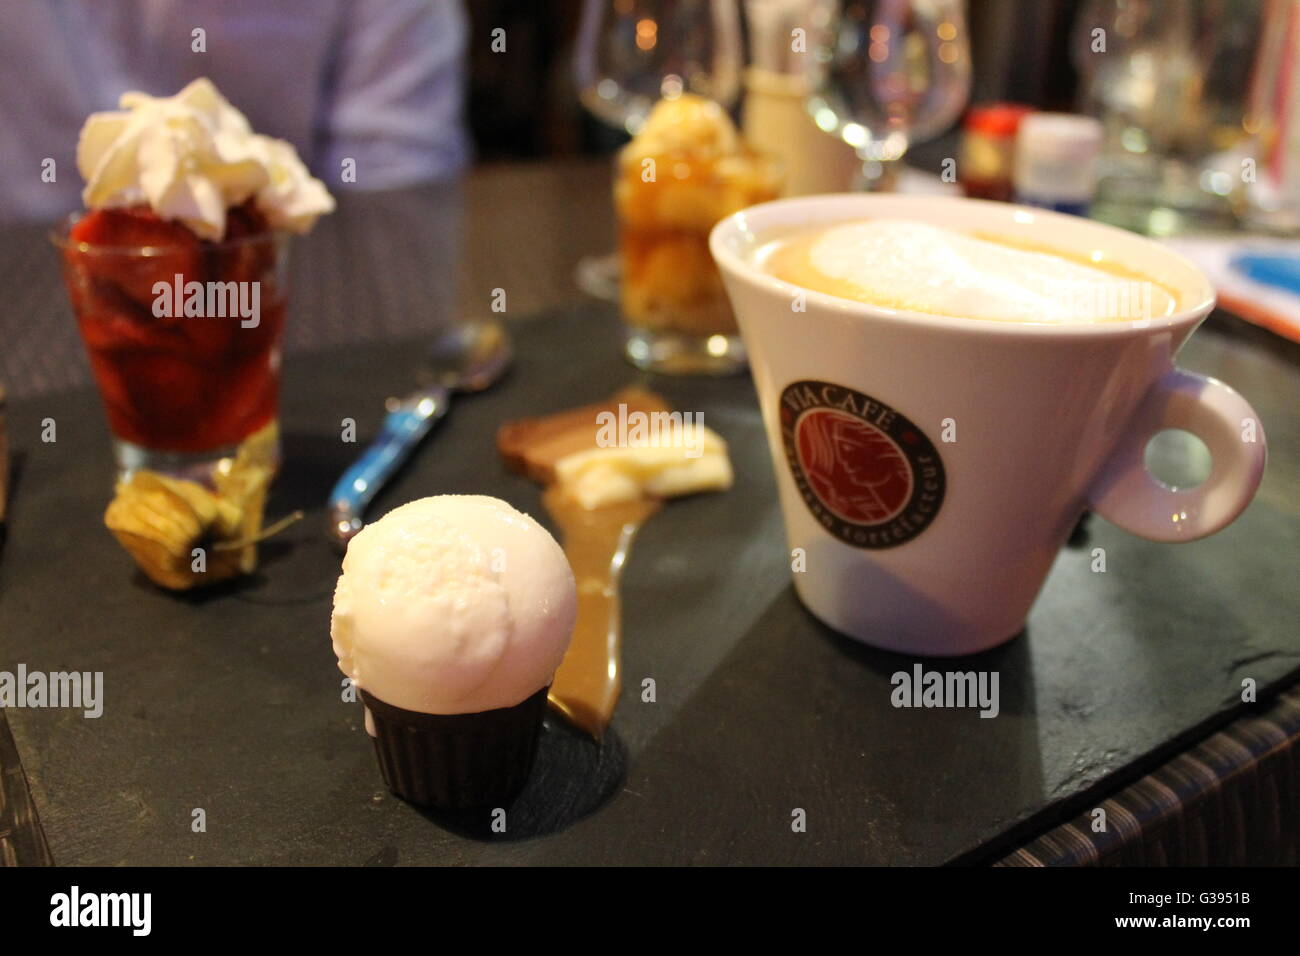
923	268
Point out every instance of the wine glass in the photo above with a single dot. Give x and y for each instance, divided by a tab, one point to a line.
889	73
631	53
1175	88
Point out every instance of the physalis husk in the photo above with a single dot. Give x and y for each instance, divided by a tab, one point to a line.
160	520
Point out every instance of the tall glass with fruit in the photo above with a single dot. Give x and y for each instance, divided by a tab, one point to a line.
183	334
686	169
177	275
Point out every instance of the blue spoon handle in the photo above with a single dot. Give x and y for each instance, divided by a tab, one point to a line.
402	430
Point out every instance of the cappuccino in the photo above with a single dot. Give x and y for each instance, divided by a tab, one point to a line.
918	267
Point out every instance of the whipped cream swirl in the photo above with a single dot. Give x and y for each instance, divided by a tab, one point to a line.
192	156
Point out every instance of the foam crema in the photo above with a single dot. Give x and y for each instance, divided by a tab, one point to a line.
918	267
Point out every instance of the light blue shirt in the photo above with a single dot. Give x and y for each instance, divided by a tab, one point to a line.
380	82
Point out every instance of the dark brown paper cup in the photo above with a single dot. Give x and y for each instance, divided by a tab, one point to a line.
456	761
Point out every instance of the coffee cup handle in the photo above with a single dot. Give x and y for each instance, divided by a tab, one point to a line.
1126	494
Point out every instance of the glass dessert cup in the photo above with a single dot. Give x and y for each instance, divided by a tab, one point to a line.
679	320
183	337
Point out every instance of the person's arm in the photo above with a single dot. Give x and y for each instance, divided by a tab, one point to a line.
394	96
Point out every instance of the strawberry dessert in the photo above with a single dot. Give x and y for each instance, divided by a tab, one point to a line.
177	271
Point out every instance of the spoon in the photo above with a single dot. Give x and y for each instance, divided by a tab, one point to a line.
468	357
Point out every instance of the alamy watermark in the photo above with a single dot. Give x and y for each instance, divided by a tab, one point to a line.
129	910
1108	299
208	300
638	429
78	690
922	688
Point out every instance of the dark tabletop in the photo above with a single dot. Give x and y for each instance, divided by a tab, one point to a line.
230	701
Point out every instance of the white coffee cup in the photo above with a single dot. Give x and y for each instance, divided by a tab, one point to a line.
917	543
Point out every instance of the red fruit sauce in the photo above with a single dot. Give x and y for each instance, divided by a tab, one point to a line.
178	384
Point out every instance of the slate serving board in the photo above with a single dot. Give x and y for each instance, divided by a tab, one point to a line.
230	701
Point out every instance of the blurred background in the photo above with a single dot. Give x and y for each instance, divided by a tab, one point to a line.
1185	89
1175	118
527	105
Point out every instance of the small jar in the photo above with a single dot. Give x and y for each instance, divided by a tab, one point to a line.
988	146
1056	161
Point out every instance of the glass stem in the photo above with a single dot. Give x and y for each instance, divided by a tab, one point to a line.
876	175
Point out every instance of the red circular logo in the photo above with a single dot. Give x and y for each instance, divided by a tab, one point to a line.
857	470
868	475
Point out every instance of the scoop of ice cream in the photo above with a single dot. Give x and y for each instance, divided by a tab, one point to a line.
923	268
685	124
452	605
190	157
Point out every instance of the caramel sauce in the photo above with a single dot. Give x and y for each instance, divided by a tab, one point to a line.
596	542
586	687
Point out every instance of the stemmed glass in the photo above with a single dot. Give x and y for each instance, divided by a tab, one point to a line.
889	73
631	53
